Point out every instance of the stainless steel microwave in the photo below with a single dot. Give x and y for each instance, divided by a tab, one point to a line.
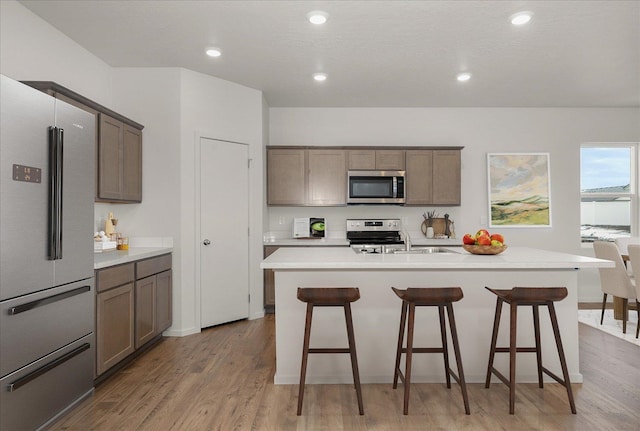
375	187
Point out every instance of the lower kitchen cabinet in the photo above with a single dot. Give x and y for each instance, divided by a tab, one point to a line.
153	306
114	326
163	301
133	307
145	310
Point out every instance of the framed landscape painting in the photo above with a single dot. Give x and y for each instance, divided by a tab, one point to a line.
519	190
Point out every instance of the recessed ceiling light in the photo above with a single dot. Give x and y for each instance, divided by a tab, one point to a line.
521	18
214	52
317	17
463	77
320	77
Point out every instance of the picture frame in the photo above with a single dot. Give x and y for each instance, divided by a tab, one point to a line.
519	190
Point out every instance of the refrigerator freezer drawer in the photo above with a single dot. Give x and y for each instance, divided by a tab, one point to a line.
32	326
38	393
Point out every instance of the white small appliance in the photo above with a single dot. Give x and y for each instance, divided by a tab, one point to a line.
309	227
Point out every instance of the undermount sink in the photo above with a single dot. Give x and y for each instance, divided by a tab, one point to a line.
425	250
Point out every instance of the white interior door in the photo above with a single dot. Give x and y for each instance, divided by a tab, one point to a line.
224	232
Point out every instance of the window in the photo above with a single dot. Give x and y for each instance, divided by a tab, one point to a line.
608	191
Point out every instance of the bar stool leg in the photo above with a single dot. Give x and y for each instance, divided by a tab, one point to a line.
536	330
512	357
563	362
445	346
305	355
494	340
354	357
456	349
407	372
403	321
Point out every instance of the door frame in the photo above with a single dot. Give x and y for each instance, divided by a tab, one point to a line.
197	246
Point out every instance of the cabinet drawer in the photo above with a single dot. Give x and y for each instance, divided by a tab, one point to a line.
114	276
147	267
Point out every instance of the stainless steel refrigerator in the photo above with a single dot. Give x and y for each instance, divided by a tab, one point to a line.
46	256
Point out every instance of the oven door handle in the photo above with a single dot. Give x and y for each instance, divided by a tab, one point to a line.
12	387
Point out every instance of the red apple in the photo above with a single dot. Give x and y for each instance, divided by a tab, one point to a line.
468	239
497	237
482	232
484	240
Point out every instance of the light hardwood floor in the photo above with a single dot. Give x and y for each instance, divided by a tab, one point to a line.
222	379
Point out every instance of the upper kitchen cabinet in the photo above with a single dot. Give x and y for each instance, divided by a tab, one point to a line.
327	178
433	177
119	161
118	143
301	177
286	177
376	159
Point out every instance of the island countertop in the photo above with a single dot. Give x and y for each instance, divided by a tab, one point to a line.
346	258
377	312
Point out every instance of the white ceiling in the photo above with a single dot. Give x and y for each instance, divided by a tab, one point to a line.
377	53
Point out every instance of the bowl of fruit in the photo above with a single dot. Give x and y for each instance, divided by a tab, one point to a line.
484	243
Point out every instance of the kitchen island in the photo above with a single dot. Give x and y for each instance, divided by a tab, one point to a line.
376	315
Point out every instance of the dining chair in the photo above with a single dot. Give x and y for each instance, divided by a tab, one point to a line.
634	258
623	244
615	281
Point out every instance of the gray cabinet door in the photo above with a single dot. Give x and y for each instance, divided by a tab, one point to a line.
163	301
109	175
419	177
446	177
327	180
114	326
131	164
145	310
286	177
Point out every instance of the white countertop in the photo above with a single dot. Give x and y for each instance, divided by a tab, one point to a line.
345	258
117	257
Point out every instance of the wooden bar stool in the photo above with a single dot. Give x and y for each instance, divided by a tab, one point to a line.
329	297
535	297
440	297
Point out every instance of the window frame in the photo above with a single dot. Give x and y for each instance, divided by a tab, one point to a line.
634	183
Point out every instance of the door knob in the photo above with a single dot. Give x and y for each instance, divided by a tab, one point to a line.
206	242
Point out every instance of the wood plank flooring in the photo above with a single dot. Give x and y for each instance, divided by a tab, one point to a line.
222	379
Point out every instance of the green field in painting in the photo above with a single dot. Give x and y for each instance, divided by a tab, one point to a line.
527	212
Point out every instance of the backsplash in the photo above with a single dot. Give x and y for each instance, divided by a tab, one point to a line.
281	218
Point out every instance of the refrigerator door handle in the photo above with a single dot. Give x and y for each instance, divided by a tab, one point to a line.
60	164
11	387
48	300
54	248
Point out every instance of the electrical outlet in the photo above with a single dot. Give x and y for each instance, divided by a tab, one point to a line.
281	220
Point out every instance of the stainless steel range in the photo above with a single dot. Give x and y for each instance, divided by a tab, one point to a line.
375	235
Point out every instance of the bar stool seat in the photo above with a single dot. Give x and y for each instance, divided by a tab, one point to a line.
329	297
441	297
534	297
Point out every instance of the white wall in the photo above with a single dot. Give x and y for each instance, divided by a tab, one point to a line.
221	110
32	50
173	104
556	131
